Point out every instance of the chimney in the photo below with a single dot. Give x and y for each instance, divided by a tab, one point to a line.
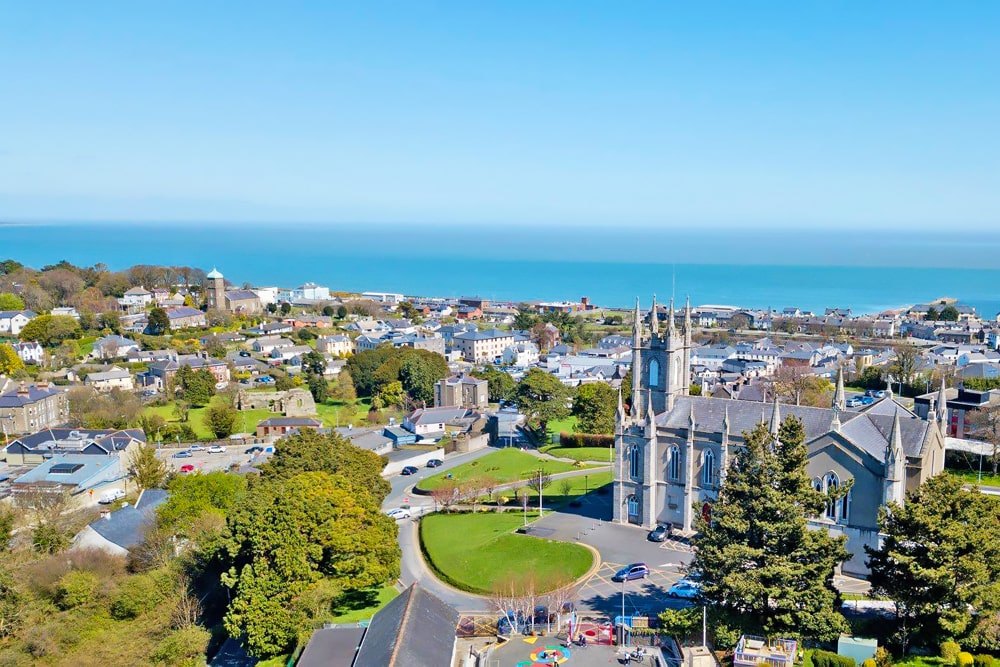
22	389
106	514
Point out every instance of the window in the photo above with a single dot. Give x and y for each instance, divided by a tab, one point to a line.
675	462
654	373
708	468
635	462
633	506
845	507
832	484
818	484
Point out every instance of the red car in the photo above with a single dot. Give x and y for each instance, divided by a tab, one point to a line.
187	467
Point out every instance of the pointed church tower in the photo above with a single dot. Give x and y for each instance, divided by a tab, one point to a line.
839	396
942	410
724	449
895	464
686	363
670	318
636	363
775	419
689	474
654	319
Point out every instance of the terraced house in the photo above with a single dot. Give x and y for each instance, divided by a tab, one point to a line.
674	449
31	407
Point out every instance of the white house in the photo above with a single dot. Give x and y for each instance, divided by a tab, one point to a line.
12	321
521	355
268	344
337	346
310	292
30	353
432	420
67	311
290	352
136	298
266	294
384	297
114	347
115	378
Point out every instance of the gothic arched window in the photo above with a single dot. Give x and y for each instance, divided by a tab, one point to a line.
634	462
654	373
708	468
675	462
832	484
633	506
845	506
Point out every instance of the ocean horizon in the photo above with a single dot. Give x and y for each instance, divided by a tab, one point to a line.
776	269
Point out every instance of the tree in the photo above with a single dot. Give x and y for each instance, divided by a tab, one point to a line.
986	421
418	373
932	315
391	395
158	322
940	561
595	405
148	471
680	623
10	363
526	317
12	604
318	387
500	384
949	314
313	362
739	321
542	397
10	301
51	330
763	570
193	497
905	364
198	386
285	308
343	389
221	419
292	533
341	312
801	387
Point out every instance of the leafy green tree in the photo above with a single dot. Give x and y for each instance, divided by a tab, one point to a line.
526	317
194	497
318	387
10	301
10	363
6	528
285	308
594	405
391	395
198	386
541	397
158	322
363	365
949	314
418	373
148	471
680	623
500	384
933	314
51	330
12	604
341	312
49	538
940	562
313	362
763	570
221	419
308	451
343	389
293	533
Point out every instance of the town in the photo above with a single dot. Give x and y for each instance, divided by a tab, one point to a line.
231	474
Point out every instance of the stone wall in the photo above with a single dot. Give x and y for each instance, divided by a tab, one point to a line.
291	403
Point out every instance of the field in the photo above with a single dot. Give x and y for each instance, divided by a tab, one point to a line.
506	465
599	454
554	428
477	552
246	424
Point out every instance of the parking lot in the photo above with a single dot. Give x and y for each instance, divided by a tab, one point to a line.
203	461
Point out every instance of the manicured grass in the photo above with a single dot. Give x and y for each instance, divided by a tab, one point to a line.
362	605
972	476
557	493
85	345
342	413
558	426
506	465
921	661
601	454
477	552
197	423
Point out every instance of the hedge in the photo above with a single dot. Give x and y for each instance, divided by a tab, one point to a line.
586	440
828	659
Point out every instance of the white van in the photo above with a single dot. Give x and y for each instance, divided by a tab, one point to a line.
111	496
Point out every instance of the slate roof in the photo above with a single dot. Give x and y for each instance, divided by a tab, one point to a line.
183	311
487	334
869	431
331	647
417	629
77	439
291	421
12	399
436	415
241	295
127	526
10	314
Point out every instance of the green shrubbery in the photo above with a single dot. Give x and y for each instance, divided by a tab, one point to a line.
75	588
964	659
983	660
138	595
828	659
586	440
950	651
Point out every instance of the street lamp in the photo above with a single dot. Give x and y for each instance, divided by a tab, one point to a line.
621	623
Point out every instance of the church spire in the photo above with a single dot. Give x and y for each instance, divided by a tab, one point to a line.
895	438
637	326
621	406
839	397
654	324
687	319
636	363
775	418
670	317
650	417
942	408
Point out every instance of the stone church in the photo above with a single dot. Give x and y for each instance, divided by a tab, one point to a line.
239	301
673	449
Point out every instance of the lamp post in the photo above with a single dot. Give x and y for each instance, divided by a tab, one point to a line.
621	623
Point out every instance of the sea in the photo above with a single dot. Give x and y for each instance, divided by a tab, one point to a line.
811	270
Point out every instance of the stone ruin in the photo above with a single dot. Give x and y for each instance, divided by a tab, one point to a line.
291	403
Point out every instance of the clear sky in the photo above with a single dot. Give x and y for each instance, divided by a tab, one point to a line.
694	115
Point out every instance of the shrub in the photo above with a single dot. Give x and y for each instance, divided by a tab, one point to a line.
982	660
137	595
184	646
882	657
828	659
964	659
586	440
75	588
950	651
49	539
870	662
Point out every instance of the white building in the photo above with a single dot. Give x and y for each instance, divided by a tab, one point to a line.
310	292
115	378
521	355
266	294
384	297
30	353
136	298
12	321
337	346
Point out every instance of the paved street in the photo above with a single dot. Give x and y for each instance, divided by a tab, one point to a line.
202	460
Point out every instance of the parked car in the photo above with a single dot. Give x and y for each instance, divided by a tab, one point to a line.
253	450
660	533
879	394
434	463
216	449
408	470
111	496
631	571
399	513
197	448
854	402
266	379
511	622
686	589
187	467
244	353
867	400
183	454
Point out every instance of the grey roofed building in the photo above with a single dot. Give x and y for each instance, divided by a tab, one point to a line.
117	532
417	629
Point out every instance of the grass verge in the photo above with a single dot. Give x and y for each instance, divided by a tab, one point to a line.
505	465
362	605
599	454
477	552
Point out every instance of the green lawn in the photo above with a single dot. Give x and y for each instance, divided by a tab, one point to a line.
362	605
342	413
972	476
85	345
506	465
557	493
476	552
558	426
196	418
601	454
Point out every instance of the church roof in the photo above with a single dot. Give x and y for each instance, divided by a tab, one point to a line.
869	431
214	274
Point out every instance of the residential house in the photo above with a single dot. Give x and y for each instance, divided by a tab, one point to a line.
303	321
30	353
97	443
161	373
12	321
114	347
384	297
431	421
483	346
185	317
69	473
713	356
150	356
954	407
276	427
402	325
368	327
372	439
337	346
271	329
65	311
118	532
223	338
416	629
309	292
114	378
399	436
289	353
270	343
468	313
461	391
449	331
136	299
521	355
31	407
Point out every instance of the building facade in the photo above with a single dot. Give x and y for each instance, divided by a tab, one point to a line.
673	450
480	346
462	391
31	408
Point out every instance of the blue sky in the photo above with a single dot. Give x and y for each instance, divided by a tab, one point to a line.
851	115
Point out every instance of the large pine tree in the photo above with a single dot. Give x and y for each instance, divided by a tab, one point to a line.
763	570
